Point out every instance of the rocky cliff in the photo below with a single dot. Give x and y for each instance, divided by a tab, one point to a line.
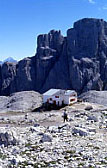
77	61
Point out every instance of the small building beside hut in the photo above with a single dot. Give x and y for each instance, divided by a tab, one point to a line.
60	97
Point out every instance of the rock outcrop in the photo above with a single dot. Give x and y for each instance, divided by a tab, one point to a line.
20	102
78	61
7	139
98	97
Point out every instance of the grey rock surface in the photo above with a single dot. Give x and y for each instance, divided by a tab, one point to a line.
99	97
20	102
89	108
7	139
4	103
45	138
92	117
80	131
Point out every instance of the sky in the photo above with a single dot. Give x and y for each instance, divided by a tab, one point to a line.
21	21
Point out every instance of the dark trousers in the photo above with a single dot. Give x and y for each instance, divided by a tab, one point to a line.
65	118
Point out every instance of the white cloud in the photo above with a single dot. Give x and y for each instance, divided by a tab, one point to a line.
91	1
104	8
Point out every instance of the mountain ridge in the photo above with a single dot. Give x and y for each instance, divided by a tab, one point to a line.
9	59
77	61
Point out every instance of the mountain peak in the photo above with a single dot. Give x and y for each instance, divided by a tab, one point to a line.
10	59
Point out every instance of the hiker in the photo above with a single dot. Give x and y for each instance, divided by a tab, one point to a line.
26	116
65	115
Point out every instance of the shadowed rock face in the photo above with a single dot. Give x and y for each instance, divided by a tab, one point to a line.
78	61
48	52
25	76
82	62
87	52
8	72
0	79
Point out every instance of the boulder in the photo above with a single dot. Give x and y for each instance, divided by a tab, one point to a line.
80	131
13	161
7	139
90	129
46	138
36	125
93	118
88	108
53	129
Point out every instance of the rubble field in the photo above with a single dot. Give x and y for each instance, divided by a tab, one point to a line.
42	139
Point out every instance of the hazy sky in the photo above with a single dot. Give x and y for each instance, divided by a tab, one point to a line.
21	21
